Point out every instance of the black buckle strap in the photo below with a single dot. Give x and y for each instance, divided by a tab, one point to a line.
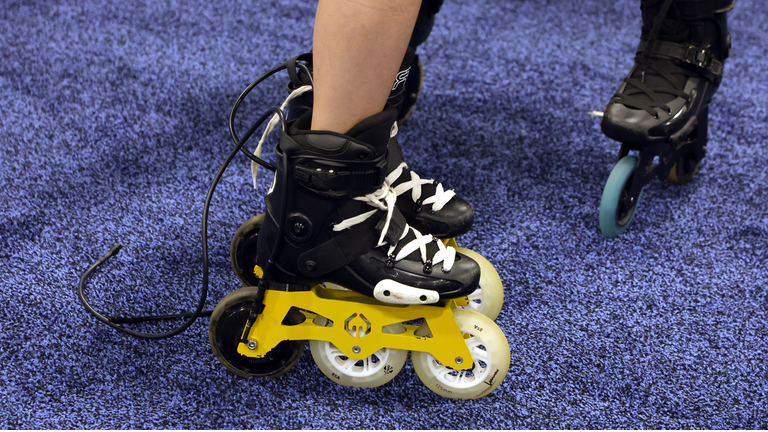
327	180
702	58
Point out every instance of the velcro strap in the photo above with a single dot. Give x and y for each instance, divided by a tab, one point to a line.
341	250
687	54
341	182
328	180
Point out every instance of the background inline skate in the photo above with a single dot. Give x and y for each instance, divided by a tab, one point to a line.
660	111
335	261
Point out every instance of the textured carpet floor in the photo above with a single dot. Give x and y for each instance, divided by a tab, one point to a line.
113	122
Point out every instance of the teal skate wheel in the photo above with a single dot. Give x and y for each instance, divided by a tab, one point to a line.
617	208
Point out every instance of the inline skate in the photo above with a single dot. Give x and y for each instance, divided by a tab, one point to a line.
335	261
660	111
426	204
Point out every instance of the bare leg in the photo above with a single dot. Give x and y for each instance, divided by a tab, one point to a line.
357	49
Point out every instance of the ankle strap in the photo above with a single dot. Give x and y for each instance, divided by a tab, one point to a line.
701	58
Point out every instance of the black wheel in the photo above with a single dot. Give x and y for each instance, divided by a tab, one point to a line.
242	251
226	326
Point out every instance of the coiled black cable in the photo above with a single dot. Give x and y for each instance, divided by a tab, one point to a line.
117	322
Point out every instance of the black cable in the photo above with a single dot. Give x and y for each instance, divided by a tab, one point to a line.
245	93
117	324
263	285
236	106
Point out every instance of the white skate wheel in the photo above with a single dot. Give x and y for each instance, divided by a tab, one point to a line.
490	357
373	371
488	298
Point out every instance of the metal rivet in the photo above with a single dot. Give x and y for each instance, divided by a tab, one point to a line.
423	298
299	229
356	349
386	293
252	344
311	266
459	360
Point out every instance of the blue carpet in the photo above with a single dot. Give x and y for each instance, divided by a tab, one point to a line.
113	123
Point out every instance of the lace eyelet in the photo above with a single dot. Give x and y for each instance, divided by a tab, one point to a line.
428	267
417	206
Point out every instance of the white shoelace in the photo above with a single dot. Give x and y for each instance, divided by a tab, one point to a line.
438	200
384	199
271	126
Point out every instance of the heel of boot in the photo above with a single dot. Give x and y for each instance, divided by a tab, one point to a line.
692	151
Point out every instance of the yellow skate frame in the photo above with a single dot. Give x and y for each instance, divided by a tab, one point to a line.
357	323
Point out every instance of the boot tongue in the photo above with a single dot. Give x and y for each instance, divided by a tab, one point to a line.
376	129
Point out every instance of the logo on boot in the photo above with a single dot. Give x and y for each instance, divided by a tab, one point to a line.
401	77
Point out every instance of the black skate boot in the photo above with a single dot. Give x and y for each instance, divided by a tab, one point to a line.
661	109
426	205
341	222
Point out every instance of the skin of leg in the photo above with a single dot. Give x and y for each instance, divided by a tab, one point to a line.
357	49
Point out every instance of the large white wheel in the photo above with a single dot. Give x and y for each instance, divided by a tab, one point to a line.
490	356
488	298
373	371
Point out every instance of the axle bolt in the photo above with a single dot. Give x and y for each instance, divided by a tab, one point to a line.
252	344
299	229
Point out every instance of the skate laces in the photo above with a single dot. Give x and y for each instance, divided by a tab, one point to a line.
384	198
647	96
271	126
438	200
